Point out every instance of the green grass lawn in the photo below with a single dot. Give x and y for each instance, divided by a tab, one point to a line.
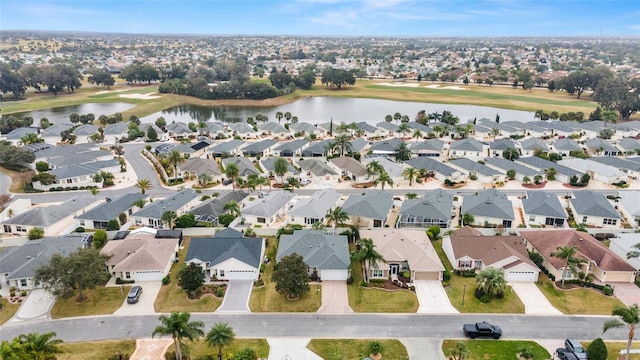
267	299
614	347
510	304
96	350
378	300
200	348
100	301
355	349
578	301
437	245
497	349
8	310
171	297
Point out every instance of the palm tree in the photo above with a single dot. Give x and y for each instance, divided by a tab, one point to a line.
388	118
292	183
410	173
233	208
373	168
179	327
403	129
491	281
633	254
279	116
204	179
397	116
438	130
467	219
417	134
232	171
336	217
143	185
175	158
571	263
169	218
287	116
402	152
627	317
41	346
140	203
367	256
280	167
341	142
12	350
220	335
384	179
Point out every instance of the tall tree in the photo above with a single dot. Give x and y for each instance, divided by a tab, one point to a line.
626	317
291	276
367	256
341	142
567	254
410	173
233	208
80	270
402	152
143	185
169	218
13	350
232	171
178	326
41	346
175	158
374	168
384	179
335	217
219	336
280	167
191	278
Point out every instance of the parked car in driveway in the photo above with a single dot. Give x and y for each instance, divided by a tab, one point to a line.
305	182
134	294
227	181
564	354
576	348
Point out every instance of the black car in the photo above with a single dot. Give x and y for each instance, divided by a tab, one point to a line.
227	181
565	354
482	329
134	294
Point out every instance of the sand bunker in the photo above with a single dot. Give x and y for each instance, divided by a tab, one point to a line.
400	84
437	86
108	91
145	96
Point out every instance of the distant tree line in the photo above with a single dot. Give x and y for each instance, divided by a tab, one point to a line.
55	78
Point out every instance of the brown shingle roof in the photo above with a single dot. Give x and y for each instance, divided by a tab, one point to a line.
468	241
546	242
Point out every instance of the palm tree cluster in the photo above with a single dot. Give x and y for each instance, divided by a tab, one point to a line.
367	256
31	346
336	217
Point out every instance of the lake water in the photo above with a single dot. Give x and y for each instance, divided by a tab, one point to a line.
322	109
61	114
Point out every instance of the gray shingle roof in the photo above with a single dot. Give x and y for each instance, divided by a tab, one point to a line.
388	145
155	209
245	166
179	128
201	165
317	167
489	203
226	147
258	147
534	144
545	164
468	144
622	164
86	169
543	203
268	205
435	204
241	127
591	203
304	126
597	143
292	145
566	144
430	144
474	166
267	163
430	164
17	134
110	210
317	148
86	129
366	127
387	126
116	129
320	250
507	165
373	204
502	144
215	207
274	127
628	144
358	144
221	248
317	205
49	215
56	129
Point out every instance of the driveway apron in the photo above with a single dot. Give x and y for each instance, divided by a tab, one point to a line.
535	303
628	293
290	349
237	297
423	349
144	306
35	307
432	298
335	299
151	349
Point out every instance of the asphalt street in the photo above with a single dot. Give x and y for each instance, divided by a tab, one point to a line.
326	326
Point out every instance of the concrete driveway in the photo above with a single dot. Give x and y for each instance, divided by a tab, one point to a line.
144	306
335	299
35	307
237	297
535	303
423	348
432	298
290	349
148	349
628	293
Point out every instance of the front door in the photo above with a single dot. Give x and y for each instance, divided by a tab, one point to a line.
394	269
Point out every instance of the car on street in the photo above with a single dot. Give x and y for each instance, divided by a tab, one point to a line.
482	329
134	294
576	348
564	354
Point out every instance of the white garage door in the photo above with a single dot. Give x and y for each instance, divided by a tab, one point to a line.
148	275
240	275
333	275
522	276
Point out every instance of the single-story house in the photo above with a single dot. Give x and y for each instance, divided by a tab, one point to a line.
210	210
369	209
393	169
308	211
268	210
274	129
291	148
428	148
624	243
498	146
245	166
193	167
543	209
631	168
385	147
531	146
600	172
434	208
151	215
489	208
326	255
594	209
227	255
99	216
565	146
469	148
599	260
267	166
437	169
563	173
115	132
51	135
179	130
404	250
318	172
227	148
483	173
317	148
259	148
505	165
352	168
243	130
307	129
468	249
600	147
141	255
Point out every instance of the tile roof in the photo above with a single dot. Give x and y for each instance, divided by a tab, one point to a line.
490	249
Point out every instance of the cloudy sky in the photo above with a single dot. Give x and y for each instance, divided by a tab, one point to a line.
329	17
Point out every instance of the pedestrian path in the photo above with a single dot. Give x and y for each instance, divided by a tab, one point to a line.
423	349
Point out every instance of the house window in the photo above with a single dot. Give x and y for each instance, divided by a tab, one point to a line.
138	221
310	221
81	222
609	222
532	218
221	273
464	264
261	220
23	282
377	273
584	219
21	229
127	275
7	228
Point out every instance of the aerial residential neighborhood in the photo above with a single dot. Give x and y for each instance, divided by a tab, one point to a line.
356	194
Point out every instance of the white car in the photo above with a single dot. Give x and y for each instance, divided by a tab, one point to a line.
305	182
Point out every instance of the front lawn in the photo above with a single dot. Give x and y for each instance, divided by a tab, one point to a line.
7	311
96	350
510	304
199	348
578	301
378	300
171	297
497	349
355	349
613	349
267	299
100	301
437	245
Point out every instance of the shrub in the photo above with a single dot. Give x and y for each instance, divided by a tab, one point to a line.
258	282
446	276
23	293
466	273
35	233
166	280
12	293
375	347
350	280
597	350
607	290
79	229
113	225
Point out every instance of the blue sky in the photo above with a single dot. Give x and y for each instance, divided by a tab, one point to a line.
329	17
